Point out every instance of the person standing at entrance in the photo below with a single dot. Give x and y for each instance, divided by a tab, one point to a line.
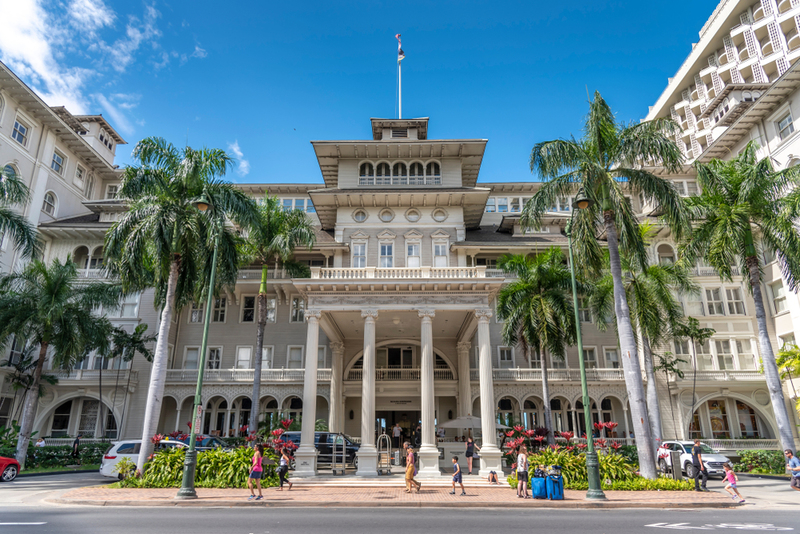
418	436
396	431
410	469
256	472
471	448
699	468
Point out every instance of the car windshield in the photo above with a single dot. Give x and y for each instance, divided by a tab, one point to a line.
705	448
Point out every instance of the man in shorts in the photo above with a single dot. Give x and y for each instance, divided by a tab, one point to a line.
794	467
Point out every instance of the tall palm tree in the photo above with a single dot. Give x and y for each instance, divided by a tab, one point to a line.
13	191
164	241
21	377
739	200
608	163
51	307
537	311
274	237
655	310
126	346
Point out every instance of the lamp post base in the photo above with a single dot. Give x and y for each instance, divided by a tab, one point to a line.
187	485
595	492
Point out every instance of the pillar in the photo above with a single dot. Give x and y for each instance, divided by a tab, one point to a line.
428	451
177	422
464	388
367	453
490	454
336	408
306	455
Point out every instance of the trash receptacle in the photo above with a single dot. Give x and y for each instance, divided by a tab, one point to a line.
675	462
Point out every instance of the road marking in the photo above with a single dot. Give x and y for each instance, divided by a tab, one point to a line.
20	524
761	527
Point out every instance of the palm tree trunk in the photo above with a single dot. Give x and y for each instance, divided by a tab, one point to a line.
768	358
255	405
125	402
100	395
158	374
548	413
29	412
652	392
629	356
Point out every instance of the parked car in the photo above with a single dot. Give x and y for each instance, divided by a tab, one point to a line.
204	443
9	468
324	442
712	460
129	449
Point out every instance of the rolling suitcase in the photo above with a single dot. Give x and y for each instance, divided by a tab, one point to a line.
555	487
539	488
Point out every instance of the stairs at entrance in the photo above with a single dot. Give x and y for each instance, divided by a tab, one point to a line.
393	480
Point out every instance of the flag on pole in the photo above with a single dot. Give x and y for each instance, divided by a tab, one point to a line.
400	54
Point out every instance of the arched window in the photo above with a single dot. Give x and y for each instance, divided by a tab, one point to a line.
400	174
10	171
49	204
666	256
383	176
433	174
367	174
415	174
96	261
530	415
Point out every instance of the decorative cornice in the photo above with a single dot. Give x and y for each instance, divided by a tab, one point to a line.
369	314
483	315
426	314
464	346
313	314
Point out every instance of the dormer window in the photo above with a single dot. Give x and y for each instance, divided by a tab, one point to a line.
367	174
106	140
399	133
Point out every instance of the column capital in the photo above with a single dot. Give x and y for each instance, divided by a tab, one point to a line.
483	315
369	314
337	347
313	314
430	314
464	346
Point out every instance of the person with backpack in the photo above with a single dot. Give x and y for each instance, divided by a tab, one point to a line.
256	472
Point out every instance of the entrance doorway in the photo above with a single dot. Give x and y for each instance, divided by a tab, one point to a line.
408	420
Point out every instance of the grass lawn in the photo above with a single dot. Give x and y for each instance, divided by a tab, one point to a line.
62	469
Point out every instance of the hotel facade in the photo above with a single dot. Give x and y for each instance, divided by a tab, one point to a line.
396	322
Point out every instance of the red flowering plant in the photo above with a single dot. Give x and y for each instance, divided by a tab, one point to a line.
610	426
600	443
616	446
582	446
510	434
567	435
156	439
287	423
278	432
291	445
183	436
250	437
174	435
518	428
599	426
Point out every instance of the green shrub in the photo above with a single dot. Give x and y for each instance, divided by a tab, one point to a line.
761	462
61	456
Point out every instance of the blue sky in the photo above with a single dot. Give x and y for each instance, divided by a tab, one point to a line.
262	79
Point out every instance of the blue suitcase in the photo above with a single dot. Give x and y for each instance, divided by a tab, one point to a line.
555	488
539	488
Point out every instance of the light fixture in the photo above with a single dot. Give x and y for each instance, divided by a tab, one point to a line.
202	203
582	201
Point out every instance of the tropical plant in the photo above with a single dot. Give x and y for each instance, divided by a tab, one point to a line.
654	310
537	311
51	308
761	462
21	377
607	164
13	191
273	237
164	241
690	329
669	364
741	199
789	364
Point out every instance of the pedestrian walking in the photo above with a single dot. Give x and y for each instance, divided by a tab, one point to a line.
418	436
699	467
457	477
410	469
39	442
76	448
256	472
471	448
283	469
522	472
396	431
794	467
731	479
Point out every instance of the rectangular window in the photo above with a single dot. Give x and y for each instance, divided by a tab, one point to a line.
682	352
248	309
735	302
190	362
440	255
564	204
490	206
322	361
111	192
214	358
413	255
20	133
298	314
196	313
80	173
58	162
310	206
359	255
506	357
300	204
705	361
785	126
294	358
17	346
243	357
218	314
266	357
724	354
287	204
502	205
387	255
714	301
536	360
129	307
583	310
778	296
744	349
515	205
590	358
612	359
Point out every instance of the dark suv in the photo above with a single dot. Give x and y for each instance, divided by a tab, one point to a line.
324	442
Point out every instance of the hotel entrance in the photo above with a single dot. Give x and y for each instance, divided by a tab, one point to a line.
407	419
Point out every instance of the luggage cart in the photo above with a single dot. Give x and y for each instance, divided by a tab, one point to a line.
339	451
384	455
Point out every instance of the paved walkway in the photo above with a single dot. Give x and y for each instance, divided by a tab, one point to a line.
368	496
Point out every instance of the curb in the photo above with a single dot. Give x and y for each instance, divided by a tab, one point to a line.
338	504
24	474
770	477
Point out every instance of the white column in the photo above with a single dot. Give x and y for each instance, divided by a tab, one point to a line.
428	452
464	389
177	422
367	453
490	454
306	455
335	419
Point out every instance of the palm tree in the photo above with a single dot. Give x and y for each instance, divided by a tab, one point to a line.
126	346
538	312
690	329
13	191
742	198
669	364
607	164
654	311
51	307
789	363
164	241
21	377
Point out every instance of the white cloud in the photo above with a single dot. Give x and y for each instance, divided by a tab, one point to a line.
137	32
90	15
199	52
118	118
244	166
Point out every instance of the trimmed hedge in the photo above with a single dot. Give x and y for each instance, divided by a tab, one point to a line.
761	462
59	456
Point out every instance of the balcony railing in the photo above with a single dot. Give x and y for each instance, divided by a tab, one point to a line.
92	374
725	375
244	375
564	375
390	375
396	273
92	273
255	274
710	271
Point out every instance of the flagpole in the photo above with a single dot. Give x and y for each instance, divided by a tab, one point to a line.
399	90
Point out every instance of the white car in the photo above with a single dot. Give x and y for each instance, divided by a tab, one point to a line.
712	460
129	449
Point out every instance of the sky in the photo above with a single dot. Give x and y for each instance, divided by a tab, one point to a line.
262	79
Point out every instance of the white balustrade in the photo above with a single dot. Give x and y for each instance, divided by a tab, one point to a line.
389	375
397	273
725	375
92	374
574	375
244	375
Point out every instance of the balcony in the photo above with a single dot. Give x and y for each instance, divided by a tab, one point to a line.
725	376
784	6
558	375
244	375
255	274
767	48
396	273
758	12
393	375
728	446
793	40
92	274
710	271
91	374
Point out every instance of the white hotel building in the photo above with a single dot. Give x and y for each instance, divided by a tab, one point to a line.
397	313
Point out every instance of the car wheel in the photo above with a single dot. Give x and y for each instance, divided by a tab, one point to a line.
355	462
662	466
689	468
292	464
10	473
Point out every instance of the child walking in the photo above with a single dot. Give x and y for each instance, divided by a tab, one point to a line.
457	477
256	472
732	479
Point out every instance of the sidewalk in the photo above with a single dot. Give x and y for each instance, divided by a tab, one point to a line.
366	496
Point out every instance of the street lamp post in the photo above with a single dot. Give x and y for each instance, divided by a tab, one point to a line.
595	492
187	490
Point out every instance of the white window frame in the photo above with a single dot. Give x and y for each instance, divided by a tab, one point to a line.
54	203
108	189
716	303
199	309
24	122
302	356
268	363
170	357
222	309
292	300
242	309
63	165
186	350
354	244
237	360
208	357
500	350
324	350
79	180
606	361
786	131
491	205
88	191
382	243
414	243
732	303
584	312
133	299
586	361
441	243
776	298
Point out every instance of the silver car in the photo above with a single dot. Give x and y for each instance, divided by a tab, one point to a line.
712	460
